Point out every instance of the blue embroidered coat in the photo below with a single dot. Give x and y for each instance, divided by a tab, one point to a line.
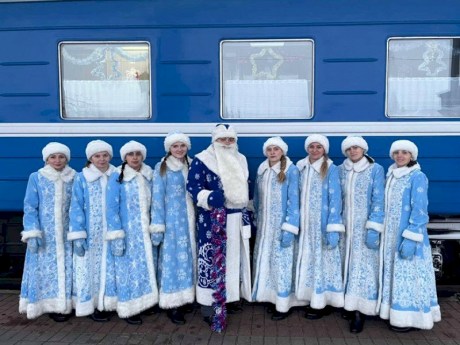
319	268
363	199
173	214
47	278
128	217
277	207
408	296
93	274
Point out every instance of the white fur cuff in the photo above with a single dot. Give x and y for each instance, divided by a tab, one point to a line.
246	232
157	228
412	236
203	199
373	225
76	235
335	228
29	234
114	234
290	228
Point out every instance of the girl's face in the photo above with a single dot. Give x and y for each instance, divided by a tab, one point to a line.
402	158
355	153
315	152
274	154
178	150
101	160
134	160
57	161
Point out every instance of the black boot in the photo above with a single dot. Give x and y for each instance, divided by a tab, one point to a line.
134	320
313	314
100	316
176	316
400	329
357	322
187	308
271	308
152	311
59	317
278	316
234	308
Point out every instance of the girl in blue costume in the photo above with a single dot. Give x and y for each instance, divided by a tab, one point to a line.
128	220
319	263
276	201
363	197
47	279
408	295
93	264
173	228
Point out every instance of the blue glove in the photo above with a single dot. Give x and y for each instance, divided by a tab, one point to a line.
332	239
157	238
372	239
80	247
286	238
407	249
216	199
117	246
33	244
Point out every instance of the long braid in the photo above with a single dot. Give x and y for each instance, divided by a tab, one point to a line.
120	178
324	166
163	165
282	174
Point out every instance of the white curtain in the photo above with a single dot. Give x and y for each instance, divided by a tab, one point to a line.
106	98
266	99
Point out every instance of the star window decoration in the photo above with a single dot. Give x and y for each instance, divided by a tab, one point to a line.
432	60
272	72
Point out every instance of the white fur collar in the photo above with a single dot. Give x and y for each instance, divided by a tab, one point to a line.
359	166
400	172
316	165
92	173
208	157
175	164
66	175
276	168
129	173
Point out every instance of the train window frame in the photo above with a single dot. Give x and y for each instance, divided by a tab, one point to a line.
262	42
147	116
427	114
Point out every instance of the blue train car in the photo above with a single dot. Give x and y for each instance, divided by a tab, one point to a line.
74	71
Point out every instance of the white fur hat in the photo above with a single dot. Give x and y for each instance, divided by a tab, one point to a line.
405	145
55	147
176	137
354	141
317	138
96	146
223	130
133	146
275	141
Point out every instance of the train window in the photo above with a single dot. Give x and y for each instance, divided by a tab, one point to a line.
266	79
105	80
423	77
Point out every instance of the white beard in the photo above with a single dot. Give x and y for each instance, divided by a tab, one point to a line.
231	173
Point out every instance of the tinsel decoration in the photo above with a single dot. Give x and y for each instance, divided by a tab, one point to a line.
219	245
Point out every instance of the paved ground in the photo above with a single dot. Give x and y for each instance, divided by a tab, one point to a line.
253	326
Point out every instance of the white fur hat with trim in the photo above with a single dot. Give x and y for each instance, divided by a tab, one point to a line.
175	137
133	146
317	138
223	130
55	147
354	141
96	146
275	141
405	145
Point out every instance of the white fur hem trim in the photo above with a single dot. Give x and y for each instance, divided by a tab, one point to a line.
113	235
110	303
84	308
282	304
204	297
135	306
76	235
365	306
319	301
157	228
177	299
375	226
29	234
290	228
413	319
54	305
412	236
246	232
203	199
335	228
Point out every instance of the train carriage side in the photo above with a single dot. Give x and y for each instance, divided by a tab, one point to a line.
382	70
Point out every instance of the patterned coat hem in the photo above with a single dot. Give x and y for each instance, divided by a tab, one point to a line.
177	299
413	319
135	306
54	305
